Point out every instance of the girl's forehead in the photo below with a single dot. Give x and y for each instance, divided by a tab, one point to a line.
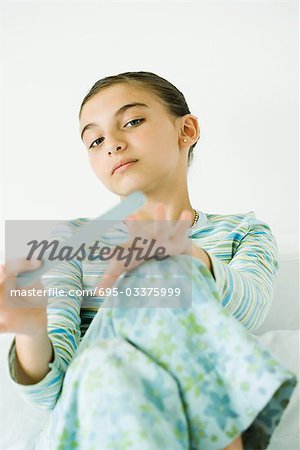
109	103
115	96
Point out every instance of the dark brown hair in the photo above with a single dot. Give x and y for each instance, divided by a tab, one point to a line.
170	96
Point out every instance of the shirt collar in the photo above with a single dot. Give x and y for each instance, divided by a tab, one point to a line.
201	222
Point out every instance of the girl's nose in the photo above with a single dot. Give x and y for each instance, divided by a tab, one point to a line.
115	144
115	148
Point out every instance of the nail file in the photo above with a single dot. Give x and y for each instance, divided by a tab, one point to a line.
93	230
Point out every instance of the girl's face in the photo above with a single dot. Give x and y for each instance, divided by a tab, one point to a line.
124	122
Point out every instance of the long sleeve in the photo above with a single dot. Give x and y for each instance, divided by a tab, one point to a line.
63	314
246	283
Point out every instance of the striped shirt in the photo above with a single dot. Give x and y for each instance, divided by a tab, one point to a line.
244	259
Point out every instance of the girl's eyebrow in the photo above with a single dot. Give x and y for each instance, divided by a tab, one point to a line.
117	113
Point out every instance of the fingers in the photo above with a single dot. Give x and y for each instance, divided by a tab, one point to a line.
162	230
133	226
32	297
172	236
9	291
12	268
184	223
107	281
162	226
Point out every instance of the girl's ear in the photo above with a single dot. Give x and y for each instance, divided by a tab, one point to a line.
189	132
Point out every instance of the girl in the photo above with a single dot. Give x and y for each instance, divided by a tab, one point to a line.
186	375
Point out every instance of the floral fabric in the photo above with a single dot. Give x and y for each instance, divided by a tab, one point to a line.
168	378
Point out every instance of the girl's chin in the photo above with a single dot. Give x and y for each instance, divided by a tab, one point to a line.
126	192
126	188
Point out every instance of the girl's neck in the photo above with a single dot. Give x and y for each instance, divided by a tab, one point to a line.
173	209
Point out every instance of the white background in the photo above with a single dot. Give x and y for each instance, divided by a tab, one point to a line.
236	63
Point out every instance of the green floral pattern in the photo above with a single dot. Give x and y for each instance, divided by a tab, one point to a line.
169	378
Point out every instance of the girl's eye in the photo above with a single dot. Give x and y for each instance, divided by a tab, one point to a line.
135	122
96	142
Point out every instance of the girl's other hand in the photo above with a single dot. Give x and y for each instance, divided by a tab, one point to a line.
24	314
171	236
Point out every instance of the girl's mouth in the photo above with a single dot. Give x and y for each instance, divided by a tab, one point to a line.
124	167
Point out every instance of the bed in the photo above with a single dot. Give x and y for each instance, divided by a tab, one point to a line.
20	422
